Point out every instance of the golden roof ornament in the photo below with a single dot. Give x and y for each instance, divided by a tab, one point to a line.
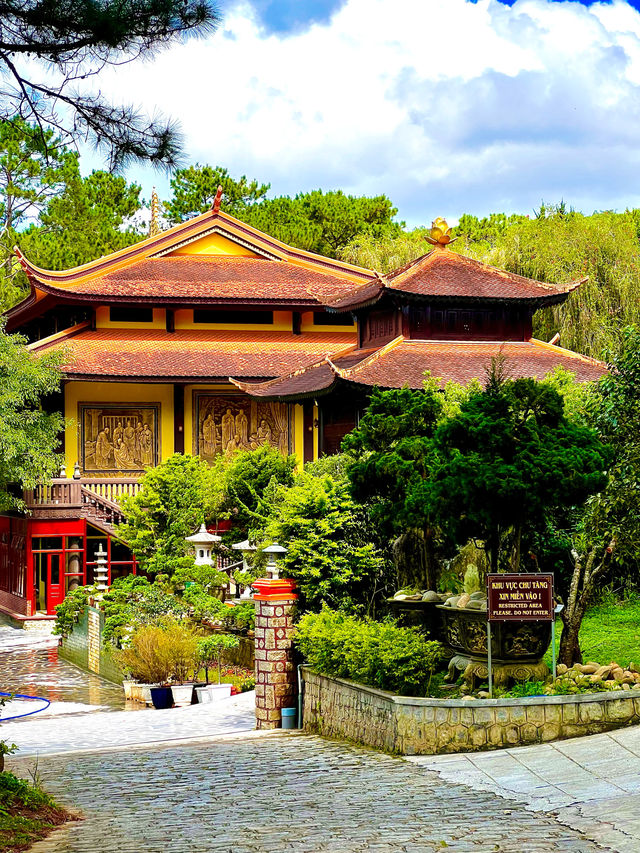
154	224
440	234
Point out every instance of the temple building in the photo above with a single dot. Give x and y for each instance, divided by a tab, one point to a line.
212	337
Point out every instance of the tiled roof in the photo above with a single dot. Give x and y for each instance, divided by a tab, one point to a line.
203	355
404	362
443	274
205	279
314	378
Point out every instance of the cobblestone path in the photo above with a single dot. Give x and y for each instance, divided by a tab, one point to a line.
284	792
29	664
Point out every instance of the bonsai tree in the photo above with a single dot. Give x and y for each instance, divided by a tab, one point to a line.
210	651
505	463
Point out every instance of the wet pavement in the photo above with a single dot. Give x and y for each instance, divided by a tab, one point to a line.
29	664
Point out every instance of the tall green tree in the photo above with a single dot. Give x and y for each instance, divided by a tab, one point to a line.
195	187
330	549
89	217
563	245
317	221
48	49
28	432
32	172
323	222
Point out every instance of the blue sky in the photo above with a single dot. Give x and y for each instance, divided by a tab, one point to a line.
447	106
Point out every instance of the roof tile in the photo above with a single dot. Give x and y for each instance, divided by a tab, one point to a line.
197	354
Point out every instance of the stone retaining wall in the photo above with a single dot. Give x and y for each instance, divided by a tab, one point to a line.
83	646
411	726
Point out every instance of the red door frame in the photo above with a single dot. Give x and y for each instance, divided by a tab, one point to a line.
64	528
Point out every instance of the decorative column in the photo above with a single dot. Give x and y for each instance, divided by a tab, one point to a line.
275	600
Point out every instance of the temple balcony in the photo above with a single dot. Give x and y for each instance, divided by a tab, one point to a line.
93	498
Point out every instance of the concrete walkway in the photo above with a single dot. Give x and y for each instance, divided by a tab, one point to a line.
107	729
591	784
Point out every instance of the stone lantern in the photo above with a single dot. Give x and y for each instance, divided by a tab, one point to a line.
203	542
245	547
273	551
101	572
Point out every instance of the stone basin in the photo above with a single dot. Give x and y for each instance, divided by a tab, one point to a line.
517	648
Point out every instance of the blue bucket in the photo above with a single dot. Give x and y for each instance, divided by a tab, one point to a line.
289	718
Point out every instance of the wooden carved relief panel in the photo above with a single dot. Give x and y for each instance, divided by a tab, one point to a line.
234	422
118	440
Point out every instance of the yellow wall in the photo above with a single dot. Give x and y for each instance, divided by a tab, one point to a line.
116	392
103	321
214	244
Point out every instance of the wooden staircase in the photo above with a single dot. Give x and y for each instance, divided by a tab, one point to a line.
93	499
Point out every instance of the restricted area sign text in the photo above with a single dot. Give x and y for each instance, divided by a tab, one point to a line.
521	598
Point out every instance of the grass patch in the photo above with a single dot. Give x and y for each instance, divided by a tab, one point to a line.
27	814
610	631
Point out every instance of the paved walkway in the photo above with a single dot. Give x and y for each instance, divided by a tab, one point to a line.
590	783
41	735
282	793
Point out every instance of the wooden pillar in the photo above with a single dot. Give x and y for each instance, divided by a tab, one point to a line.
275	671
178	418
307	444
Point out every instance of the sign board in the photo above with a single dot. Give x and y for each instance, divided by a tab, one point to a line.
521	598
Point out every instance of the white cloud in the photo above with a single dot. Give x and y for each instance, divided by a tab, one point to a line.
445	105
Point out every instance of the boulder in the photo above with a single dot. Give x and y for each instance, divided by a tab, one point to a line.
464	599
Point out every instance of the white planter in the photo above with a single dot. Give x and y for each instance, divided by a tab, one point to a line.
127	686
182	694
142	693
219	691
204	695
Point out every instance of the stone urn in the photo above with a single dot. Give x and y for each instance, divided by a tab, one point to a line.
517	648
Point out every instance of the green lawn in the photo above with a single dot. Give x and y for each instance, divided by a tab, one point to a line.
609	632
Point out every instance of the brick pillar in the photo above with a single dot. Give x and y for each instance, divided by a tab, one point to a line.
275	673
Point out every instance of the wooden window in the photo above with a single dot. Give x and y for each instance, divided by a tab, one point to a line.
327	318
211	315
130	314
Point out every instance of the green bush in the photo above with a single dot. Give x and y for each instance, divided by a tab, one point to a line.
68	612
379	654
157	654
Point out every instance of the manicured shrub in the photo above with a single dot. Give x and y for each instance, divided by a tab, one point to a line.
379	654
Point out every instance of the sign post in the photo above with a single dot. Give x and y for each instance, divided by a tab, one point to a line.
518	598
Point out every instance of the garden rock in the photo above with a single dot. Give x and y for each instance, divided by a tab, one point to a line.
430	595
464	599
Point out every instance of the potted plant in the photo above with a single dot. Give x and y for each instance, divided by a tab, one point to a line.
183	652
148	660
210	654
